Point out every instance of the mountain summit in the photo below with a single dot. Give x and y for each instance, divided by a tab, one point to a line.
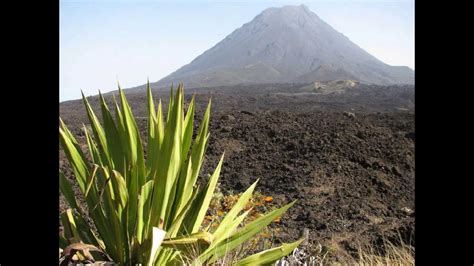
282	45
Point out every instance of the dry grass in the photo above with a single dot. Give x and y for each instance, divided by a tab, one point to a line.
394	255
387	253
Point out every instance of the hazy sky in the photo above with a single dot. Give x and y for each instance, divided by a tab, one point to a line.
102	41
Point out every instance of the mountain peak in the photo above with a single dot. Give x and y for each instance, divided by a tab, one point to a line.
285	44
299	8
287	13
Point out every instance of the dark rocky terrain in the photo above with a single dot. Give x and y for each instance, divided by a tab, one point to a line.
346	156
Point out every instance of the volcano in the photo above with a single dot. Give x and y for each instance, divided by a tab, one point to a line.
290	44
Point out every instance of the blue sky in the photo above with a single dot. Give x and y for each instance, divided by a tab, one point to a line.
102	41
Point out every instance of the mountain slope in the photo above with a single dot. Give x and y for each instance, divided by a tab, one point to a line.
288	44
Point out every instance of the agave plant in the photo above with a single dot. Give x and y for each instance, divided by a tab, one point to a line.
149	209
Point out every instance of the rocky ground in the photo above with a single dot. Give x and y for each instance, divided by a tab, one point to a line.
348	159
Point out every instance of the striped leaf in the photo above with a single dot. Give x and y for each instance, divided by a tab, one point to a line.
269	256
